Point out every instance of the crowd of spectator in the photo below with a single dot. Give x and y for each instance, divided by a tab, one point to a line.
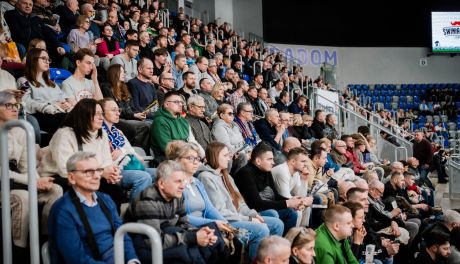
237	163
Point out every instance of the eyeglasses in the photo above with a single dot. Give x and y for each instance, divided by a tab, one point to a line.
230	113
202	107
46	59
99	114
10	106
176	102
192	159
115	110
90	172
341	146
169	79
249	111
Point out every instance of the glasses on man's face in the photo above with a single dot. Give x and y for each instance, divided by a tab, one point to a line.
249	111
10	106
178	102
341	146
169	79
45	59
230	113
90	172
115	110
201	107
192	159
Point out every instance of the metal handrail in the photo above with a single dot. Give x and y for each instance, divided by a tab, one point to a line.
32	189
138	228
364	119
254	66
379	118
221	33
452	164
396	152
187	24
164	19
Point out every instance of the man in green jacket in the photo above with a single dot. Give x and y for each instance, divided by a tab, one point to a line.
331	237
168	125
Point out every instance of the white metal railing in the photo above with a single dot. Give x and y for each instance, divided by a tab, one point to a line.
32	189
349	121
155	241
164	17
453	170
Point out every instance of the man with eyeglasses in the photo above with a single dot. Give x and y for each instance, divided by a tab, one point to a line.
166	84
48	192
168	124
338	152
196	119
82	224
244	117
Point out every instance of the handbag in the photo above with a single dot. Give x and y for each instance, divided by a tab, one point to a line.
12	51
134	164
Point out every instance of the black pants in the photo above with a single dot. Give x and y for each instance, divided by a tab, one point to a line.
196	254
50	123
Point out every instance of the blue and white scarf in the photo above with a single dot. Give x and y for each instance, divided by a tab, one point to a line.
116	137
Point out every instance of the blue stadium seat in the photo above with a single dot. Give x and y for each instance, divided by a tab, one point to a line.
59	75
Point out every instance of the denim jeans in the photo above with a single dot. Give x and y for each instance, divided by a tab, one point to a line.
137	180
288	216
272	226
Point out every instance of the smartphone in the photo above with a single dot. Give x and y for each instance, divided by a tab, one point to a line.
25	86
394	205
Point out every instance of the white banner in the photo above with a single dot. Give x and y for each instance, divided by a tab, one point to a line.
329	106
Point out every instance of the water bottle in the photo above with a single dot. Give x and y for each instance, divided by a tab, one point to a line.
370	254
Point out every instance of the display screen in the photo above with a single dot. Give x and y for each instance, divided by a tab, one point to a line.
445	32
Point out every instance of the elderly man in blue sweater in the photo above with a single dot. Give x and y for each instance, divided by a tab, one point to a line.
83	222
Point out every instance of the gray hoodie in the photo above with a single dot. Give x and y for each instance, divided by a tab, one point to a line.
220	197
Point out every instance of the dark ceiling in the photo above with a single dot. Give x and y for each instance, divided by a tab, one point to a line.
352	23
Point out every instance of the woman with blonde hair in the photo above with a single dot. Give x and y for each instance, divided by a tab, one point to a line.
218	93
300	130
302	245
227	199
226	131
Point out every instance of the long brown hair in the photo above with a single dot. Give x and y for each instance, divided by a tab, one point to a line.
32	67
120	90
212	156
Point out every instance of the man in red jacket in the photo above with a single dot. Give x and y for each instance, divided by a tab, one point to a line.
358	168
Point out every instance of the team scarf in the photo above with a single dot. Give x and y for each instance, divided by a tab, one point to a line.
248	131
116	137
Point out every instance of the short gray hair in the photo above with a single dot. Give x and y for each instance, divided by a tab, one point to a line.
212	62
71	164
271	246
218	55
166	168
451	216
5	97
194	99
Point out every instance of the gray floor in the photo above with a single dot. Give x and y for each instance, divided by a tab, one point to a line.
442	198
